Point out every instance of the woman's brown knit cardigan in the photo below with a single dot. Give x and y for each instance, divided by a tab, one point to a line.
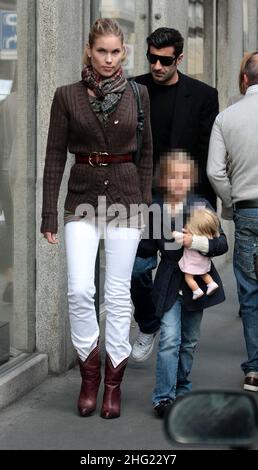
75	126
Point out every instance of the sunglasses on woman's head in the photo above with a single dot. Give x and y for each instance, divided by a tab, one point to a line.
164	59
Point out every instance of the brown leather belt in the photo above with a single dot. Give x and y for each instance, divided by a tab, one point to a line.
102	158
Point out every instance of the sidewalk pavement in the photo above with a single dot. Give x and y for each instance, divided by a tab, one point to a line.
46	418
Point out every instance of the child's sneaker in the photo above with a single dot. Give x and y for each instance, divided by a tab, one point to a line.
212	287
197	293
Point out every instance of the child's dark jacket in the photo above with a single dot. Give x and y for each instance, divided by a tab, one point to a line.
169	278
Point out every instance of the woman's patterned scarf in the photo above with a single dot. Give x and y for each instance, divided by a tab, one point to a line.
107	91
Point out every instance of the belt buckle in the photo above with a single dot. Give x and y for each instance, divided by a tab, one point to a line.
99	161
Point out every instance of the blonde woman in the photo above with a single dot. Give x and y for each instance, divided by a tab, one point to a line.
96	119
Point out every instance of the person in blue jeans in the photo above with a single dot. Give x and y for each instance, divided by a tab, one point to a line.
246	272
180	315
235	136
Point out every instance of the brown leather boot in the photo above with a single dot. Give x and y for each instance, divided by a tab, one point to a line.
112	393
91	377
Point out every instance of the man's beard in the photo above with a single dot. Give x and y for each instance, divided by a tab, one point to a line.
163	77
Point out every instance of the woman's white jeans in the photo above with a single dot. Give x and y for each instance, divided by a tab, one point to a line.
82	241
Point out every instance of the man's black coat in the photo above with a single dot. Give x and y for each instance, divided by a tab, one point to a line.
196	107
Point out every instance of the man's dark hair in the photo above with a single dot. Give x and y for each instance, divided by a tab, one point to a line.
166	37
251	69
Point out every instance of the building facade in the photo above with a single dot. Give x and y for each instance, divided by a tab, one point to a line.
41	46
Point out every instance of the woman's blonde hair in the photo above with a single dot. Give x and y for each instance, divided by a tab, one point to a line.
103	27
204	222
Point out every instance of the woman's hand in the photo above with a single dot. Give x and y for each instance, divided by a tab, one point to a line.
51	238
187	238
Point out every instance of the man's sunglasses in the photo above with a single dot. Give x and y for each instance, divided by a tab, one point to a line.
164	59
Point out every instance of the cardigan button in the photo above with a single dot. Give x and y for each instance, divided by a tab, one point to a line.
106	182
116	121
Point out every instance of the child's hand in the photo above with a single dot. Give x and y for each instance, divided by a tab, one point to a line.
187	238
178	236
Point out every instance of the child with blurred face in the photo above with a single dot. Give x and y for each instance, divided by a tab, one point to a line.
179	311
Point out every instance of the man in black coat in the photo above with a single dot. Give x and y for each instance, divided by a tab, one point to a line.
182	114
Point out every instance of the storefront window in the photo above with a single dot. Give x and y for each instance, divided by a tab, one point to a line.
17	184
8	110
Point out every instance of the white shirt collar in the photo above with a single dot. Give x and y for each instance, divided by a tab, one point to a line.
179	206
252	89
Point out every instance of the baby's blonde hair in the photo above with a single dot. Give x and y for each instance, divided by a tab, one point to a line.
204	222
103	27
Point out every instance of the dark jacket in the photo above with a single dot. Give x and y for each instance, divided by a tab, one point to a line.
75	126
196	107
169	278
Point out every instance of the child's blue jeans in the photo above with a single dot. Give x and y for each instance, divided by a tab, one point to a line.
179	335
